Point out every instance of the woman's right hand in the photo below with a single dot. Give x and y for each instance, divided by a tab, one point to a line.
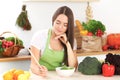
39	70
43	71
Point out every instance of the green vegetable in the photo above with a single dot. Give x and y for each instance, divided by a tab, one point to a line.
90	66
93	26
66	68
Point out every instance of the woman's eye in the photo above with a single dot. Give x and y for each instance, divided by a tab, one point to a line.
57	23
65	25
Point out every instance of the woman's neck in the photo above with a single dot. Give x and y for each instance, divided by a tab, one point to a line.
53	35
57	47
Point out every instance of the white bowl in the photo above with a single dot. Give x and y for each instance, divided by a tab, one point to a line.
65	73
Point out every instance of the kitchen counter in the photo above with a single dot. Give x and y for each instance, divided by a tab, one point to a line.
52	75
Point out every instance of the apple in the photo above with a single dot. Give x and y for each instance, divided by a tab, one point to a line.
24	76
27	73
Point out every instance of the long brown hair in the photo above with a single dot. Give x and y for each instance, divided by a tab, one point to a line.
70	31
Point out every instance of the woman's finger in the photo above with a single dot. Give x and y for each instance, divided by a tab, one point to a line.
43	68
57	37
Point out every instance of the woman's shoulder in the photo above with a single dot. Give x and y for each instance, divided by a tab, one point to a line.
39	38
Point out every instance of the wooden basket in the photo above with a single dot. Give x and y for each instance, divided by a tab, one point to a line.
78	39
13	50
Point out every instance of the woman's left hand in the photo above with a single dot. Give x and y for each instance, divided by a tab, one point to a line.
62	38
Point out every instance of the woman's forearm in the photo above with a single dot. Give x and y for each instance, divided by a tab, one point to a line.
33	62
72	58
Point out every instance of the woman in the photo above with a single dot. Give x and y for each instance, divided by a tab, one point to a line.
54	47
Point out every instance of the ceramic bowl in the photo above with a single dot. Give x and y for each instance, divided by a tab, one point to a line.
65	72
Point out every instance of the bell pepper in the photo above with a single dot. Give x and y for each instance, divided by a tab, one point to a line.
108	69
83	32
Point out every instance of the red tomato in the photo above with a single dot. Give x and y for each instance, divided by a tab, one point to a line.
90	34
105	47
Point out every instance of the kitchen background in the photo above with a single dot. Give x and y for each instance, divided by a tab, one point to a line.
40	15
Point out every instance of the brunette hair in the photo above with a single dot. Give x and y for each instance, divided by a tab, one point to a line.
70	31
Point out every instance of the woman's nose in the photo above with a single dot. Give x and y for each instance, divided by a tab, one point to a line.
61	26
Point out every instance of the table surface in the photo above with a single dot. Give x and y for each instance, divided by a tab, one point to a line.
52	75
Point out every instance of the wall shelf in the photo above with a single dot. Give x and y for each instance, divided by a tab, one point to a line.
97	53
15	58
28	57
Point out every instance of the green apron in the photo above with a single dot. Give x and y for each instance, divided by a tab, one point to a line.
51	58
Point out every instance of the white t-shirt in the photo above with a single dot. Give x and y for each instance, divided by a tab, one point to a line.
39	40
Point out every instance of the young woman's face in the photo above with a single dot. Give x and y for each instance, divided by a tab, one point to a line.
60	24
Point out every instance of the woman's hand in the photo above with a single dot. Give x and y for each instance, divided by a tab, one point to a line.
43	71
62	38
39	70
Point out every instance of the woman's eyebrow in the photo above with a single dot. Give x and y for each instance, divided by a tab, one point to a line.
60	21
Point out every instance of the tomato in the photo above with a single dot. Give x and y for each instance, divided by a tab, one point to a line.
90	34
105	47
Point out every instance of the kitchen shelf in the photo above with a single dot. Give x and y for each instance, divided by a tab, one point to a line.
60	0
15	58
97	53
28	57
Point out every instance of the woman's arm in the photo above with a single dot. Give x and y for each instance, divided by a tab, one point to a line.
35	68
72	57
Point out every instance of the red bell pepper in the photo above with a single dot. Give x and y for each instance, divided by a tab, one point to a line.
108	70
